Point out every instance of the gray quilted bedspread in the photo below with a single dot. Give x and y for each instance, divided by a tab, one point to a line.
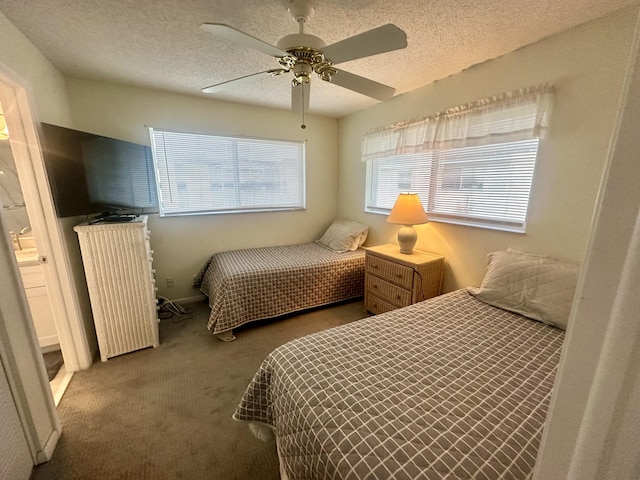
259	283
450	388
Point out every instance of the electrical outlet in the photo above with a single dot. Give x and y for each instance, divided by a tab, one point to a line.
171	282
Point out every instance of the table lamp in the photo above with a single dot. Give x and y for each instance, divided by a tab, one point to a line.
407	211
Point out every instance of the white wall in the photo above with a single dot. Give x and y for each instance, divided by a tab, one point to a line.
46	83
182	244
586	65
594	421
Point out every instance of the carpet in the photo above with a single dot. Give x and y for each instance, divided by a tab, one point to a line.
53	361
165	412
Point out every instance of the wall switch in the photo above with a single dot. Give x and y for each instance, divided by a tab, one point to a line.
171	282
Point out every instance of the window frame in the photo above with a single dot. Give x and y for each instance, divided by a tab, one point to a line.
166	180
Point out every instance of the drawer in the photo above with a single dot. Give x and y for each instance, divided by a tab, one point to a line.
32	276
393	272
376	305
388	291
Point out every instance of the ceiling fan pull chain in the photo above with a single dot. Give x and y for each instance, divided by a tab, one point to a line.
303	126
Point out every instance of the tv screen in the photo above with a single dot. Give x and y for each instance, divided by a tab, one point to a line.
93	174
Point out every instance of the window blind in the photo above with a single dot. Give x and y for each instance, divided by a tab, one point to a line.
199	173
471	164
484	186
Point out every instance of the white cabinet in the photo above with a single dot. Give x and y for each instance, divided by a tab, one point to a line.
118	267
38	298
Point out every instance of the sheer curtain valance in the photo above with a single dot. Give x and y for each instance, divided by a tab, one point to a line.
510	117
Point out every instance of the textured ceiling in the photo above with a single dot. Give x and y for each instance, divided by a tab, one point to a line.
157	43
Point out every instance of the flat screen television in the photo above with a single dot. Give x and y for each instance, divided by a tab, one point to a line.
92	174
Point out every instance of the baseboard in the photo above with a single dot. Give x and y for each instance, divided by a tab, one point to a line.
51	343
50	348
194	299
46	453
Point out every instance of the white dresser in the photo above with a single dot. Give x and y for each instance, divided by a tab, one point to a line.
117	262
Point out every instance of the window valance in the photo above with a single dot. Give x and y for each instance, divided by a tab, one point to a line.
510	117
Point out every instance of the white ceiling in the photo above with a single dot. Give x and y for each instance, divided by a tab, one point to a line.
157	43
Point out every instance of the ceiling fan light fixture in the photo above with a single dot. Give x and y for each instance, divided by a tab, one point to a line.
301	79
303	54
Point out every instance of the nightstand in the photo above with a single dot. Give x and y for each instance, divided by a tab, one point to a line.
394	279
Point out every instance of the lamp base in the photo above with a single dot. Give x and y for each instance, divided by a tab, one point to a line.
407	238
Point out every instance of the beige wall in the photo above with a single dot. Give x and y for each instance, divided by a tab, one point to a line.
47	85
586	64
182	244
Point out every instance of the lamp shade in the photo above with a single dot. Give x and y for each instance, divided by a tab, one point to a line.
408	210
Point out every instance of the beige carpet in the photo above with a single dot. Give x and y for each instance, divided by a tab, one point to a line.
165	413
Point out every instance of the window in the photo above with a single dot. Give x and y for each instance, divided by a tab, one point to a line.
470	165
387	177
218	174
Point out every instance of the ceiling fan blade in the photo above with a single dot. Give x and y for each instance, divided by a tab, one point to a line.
362	85
242	39
241	80
372	42
300	98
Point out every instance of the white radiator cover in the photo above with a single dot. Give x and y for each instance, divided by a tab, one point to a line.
118	267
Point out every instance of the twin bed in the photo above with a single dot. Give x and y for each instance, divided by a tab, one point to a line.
259	283
455	387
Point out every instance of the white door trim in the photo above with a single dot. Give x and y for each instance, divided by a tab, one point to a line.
28	157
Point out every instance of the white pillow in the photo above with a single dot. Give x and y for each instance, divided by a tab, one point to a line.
539	287
344	235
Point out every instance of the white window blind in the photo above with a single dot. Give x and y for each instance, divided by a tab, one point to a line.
387	177
199	173
470	165
484	186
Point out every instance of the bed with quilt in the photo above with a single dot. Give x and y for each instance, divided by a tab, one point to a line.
260	283
455	387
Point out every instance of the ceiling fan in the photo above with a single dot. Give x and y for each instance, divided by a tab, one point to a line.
302	54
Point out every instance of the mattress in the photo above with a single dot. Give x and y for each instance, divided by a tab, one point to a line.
259	283
449	388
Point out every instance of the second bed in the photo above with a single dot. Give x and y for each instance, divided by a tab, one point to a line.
267	282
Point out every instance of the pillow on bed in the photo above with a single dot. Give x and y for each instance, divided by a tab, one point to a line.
536	286
344	235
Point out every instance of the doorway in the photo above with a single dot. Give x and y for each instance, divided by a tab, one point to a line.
71	313
30	264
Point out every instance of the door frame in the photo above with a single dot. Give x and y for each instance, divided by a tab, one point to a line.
25	146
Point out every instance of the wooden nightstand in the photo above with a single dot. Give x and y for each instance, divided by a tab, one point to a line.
394	279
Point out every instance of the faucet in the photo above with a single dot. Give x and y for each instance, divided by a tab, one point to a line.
15	241
25	230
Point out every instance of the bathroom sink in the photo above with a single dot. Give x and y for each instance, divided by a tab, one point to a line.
27	256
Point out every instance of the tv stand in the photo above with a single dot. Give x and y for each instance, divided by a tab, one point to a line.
117	261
